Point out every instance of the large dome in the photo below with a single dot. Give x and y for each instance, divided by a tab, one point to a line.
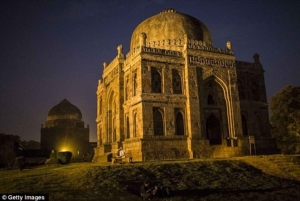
169	28
64	110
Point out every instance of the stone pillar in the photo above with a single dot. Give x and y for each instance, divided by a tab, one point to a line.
256	58
190	147
185	42
229	46
192	103
120	51
104	65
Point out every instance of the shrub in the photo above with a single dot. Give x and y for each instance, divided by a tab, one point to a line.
53	157
20	162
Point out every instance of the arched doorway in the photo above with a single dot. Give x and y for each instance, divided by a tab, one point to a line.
215	111
244	125
213	130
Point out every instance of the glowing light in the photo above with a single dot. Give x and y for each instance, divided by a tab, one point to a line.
65	149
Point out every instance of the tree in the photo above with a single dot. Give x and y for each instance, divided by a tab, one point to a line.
285	119
31	144
9	149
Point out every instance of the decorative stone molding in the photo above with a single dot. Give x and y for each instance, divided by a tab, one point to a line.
211	62
169	10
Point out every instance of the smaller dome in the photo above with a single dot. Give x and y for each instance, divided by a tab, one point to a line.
64	110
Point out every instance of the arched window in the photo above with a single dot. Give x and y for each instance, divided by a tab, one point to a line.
134	83
177	88
179	124
99	135
126	88
135	128
244	125
155	81
210	100
127	127
100	106
158	122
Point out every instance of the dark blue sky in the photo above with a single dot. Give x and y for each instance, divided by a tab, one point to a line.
51	50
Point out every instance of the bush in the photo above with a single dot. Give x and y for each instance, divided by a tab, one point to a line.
20	162
89	157
53	157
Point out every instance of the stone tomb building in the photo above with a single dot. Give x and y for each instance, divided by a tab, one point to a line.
64	130
176	96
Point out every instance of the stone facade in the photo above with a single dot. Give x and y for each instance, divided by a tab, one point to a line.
177	96
64	130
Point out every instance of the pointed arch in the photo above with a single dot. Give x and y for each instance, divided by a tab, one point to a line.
228	101
126	88
158	121
99	137
110	121
155	81
176	79
179	122
135	83
135	124
100	106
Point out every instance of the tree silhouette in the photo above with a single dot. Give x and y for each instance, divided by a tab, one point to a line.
285	119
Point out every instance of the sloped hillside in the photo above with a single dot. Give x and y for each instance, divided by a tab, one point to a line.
245	178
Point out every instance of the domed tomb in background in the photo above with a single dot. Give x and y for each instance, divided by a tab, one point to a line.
64	110
64	114
64	130
176	96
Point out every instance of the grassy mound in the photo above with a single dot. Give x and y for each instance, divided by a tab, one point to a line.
189	180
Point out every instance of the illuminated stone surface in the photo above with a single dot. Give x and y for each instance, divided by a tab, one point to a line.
177	96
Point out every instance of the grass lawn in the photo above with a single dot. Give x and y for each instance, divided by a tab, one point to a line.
245	178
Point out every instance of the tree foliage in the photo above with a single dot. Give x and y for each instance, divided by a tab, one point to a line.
285	118
9	149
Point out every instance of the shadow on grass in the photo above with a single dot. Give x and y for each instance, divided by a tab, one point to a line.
206	192
200	193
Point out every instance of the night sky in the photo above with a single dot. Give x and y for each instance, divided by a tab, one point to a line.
51	50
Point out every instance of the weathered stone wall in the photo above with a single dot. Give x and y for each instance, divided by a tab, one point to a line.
133	148
202	149
162	148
